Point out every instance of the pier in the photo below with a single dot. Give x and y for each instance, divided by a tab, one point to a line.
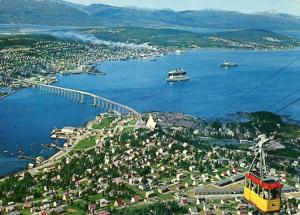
97	101
53	146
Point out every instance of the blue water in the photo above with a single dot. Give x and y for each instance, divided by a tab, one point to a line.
28	117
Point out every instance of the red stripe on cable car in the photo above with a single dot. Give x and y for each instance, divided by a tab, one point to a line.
265	185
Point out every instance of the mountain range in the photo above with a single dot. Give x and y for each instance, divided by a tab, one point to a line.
62	13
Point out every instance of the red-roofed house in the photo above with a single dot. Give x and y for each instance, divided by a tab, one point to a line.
119	203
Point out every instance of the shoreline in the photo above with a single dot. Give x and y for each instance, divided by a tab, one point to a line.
245	49
170	52
9	94
56	157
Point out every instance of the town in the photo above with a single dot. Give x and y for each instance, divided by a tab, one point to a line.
40	57
175	164
166	107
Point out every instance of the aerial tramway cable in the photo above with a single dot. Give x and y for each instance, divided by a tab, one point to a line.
289	104
257	85
282	99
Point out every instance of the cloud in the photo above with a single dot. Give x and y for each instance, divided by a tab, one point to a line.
94	40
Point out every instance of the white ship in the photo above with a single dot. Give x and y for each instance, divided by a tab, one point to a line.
227	64
177	75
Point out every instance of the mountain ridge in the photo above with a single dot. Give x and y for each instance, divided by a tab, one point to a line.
63	13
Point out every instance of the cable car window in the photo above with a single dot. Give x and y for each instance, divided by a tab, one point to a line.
247	183
274	194
259	191
253	186
266	194
262	193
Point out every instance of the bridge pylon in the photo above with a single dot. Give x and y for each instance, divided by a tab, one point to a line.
95	102
82	100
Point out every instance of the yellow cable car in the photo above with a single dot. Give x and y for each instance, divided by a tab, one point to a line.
262	192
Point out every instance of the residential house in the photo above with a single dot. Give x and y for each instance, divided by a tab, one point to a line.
92	207
58	210
193	211
163	189
136	199
44	212
27	205
66	196
103	203
149	194
119	203
179	186
10	208
184	201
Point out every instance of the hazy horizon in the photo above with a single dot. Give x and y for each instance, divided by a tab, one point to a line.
291	7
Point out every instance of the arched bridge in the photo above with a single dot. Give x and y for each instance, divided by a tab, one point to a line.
97	101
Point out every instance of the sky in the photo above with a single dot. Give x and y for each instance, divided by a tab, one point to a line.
246	6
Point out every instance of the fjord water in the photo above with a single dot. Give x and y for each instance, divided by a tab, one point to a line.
27	117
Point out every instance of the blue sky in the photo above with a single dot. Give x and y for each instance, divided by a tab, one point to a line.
247	6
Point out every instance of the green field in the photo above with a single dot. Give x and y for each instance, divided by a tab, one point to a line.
23	41
129	129
25	212
105	123
132	122
94	198
77	208
87	143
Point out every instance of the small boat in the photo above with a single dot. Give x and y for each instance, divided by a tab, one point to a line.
177	75
148	58
227	64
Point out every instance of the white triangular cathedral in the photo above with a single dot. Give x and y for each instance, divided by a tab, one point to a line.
151	124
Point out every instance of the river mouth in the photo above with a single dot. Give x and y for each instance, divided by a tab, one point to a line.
28	117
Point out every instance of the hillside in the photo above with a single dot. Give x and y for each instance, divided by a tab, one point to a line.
249	39
61	13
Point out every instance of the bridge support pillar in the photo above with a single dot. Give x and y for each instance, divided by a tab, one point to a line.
94	102
77	97
82	99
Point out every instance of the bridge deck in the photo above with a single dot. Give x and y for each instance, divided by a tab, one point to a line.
95	97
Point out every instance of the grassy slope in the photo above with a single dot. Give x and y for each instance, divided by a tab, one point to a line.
172	37
105	123
83	144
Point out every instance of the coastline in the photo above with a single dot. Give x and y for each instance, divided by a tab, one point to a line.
9	94
172	51
240	49
54	158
